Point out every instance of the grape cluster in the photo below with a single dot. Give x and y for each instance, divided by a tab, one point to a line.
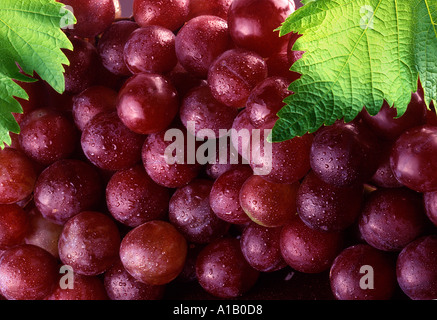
88	185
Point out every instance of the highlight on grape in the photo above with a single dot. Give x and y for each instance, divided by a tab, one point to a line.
185	148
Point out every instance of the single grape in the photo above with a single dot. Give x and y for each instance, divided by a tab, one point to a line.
361	272
93	16
200	41
287	162
234	74
223	271
109	144
252	24
17	176
411	158
154	252
241	133
133	198
150	49
392	218
268	204
27	272
224	198
183	80
385	123
384	176
430	201
66	188
156	160
43	232
120	285
415	269
91	102
260	247
190	212
201	111
344	154
47	136
84	65
266	99
147	103
308	250
89	243
14	224
83	288
217	8
170	15
111	46
326	207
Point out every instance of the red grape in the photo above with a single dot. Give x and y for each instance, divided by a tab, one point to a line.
154	252
133	198
150	49
268	204
223	271
412	158
147	103
17	176
234	74
14	223
356	263
430	201
241	133
84	288
27	272
191	214
89	243
217	8
171	14
416	271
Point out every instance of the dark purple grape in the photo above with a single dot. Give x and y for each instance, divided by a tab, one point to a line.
120	285
288	161
170	15
361	272
27	272
89	243
109	144
84	288
392	218
430	201
266	99
344	154
234	74
111	46
200	41
160	169
268	204
150	49
147	103
91	102
308	250
326	207
260	247
223	271
154	252
190	212
224	198
183	81
252	24
84	64
412	157
384	176
93	16
217	8
66	188
47	136
14	224
17	176
385	123
201	111
133	198
416	271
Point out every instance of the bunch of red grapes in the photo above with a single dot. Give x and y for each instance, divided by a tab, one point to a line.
87	185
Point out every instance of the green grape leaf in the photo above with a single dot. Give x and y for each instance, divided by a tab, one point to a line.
357	53
31	41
